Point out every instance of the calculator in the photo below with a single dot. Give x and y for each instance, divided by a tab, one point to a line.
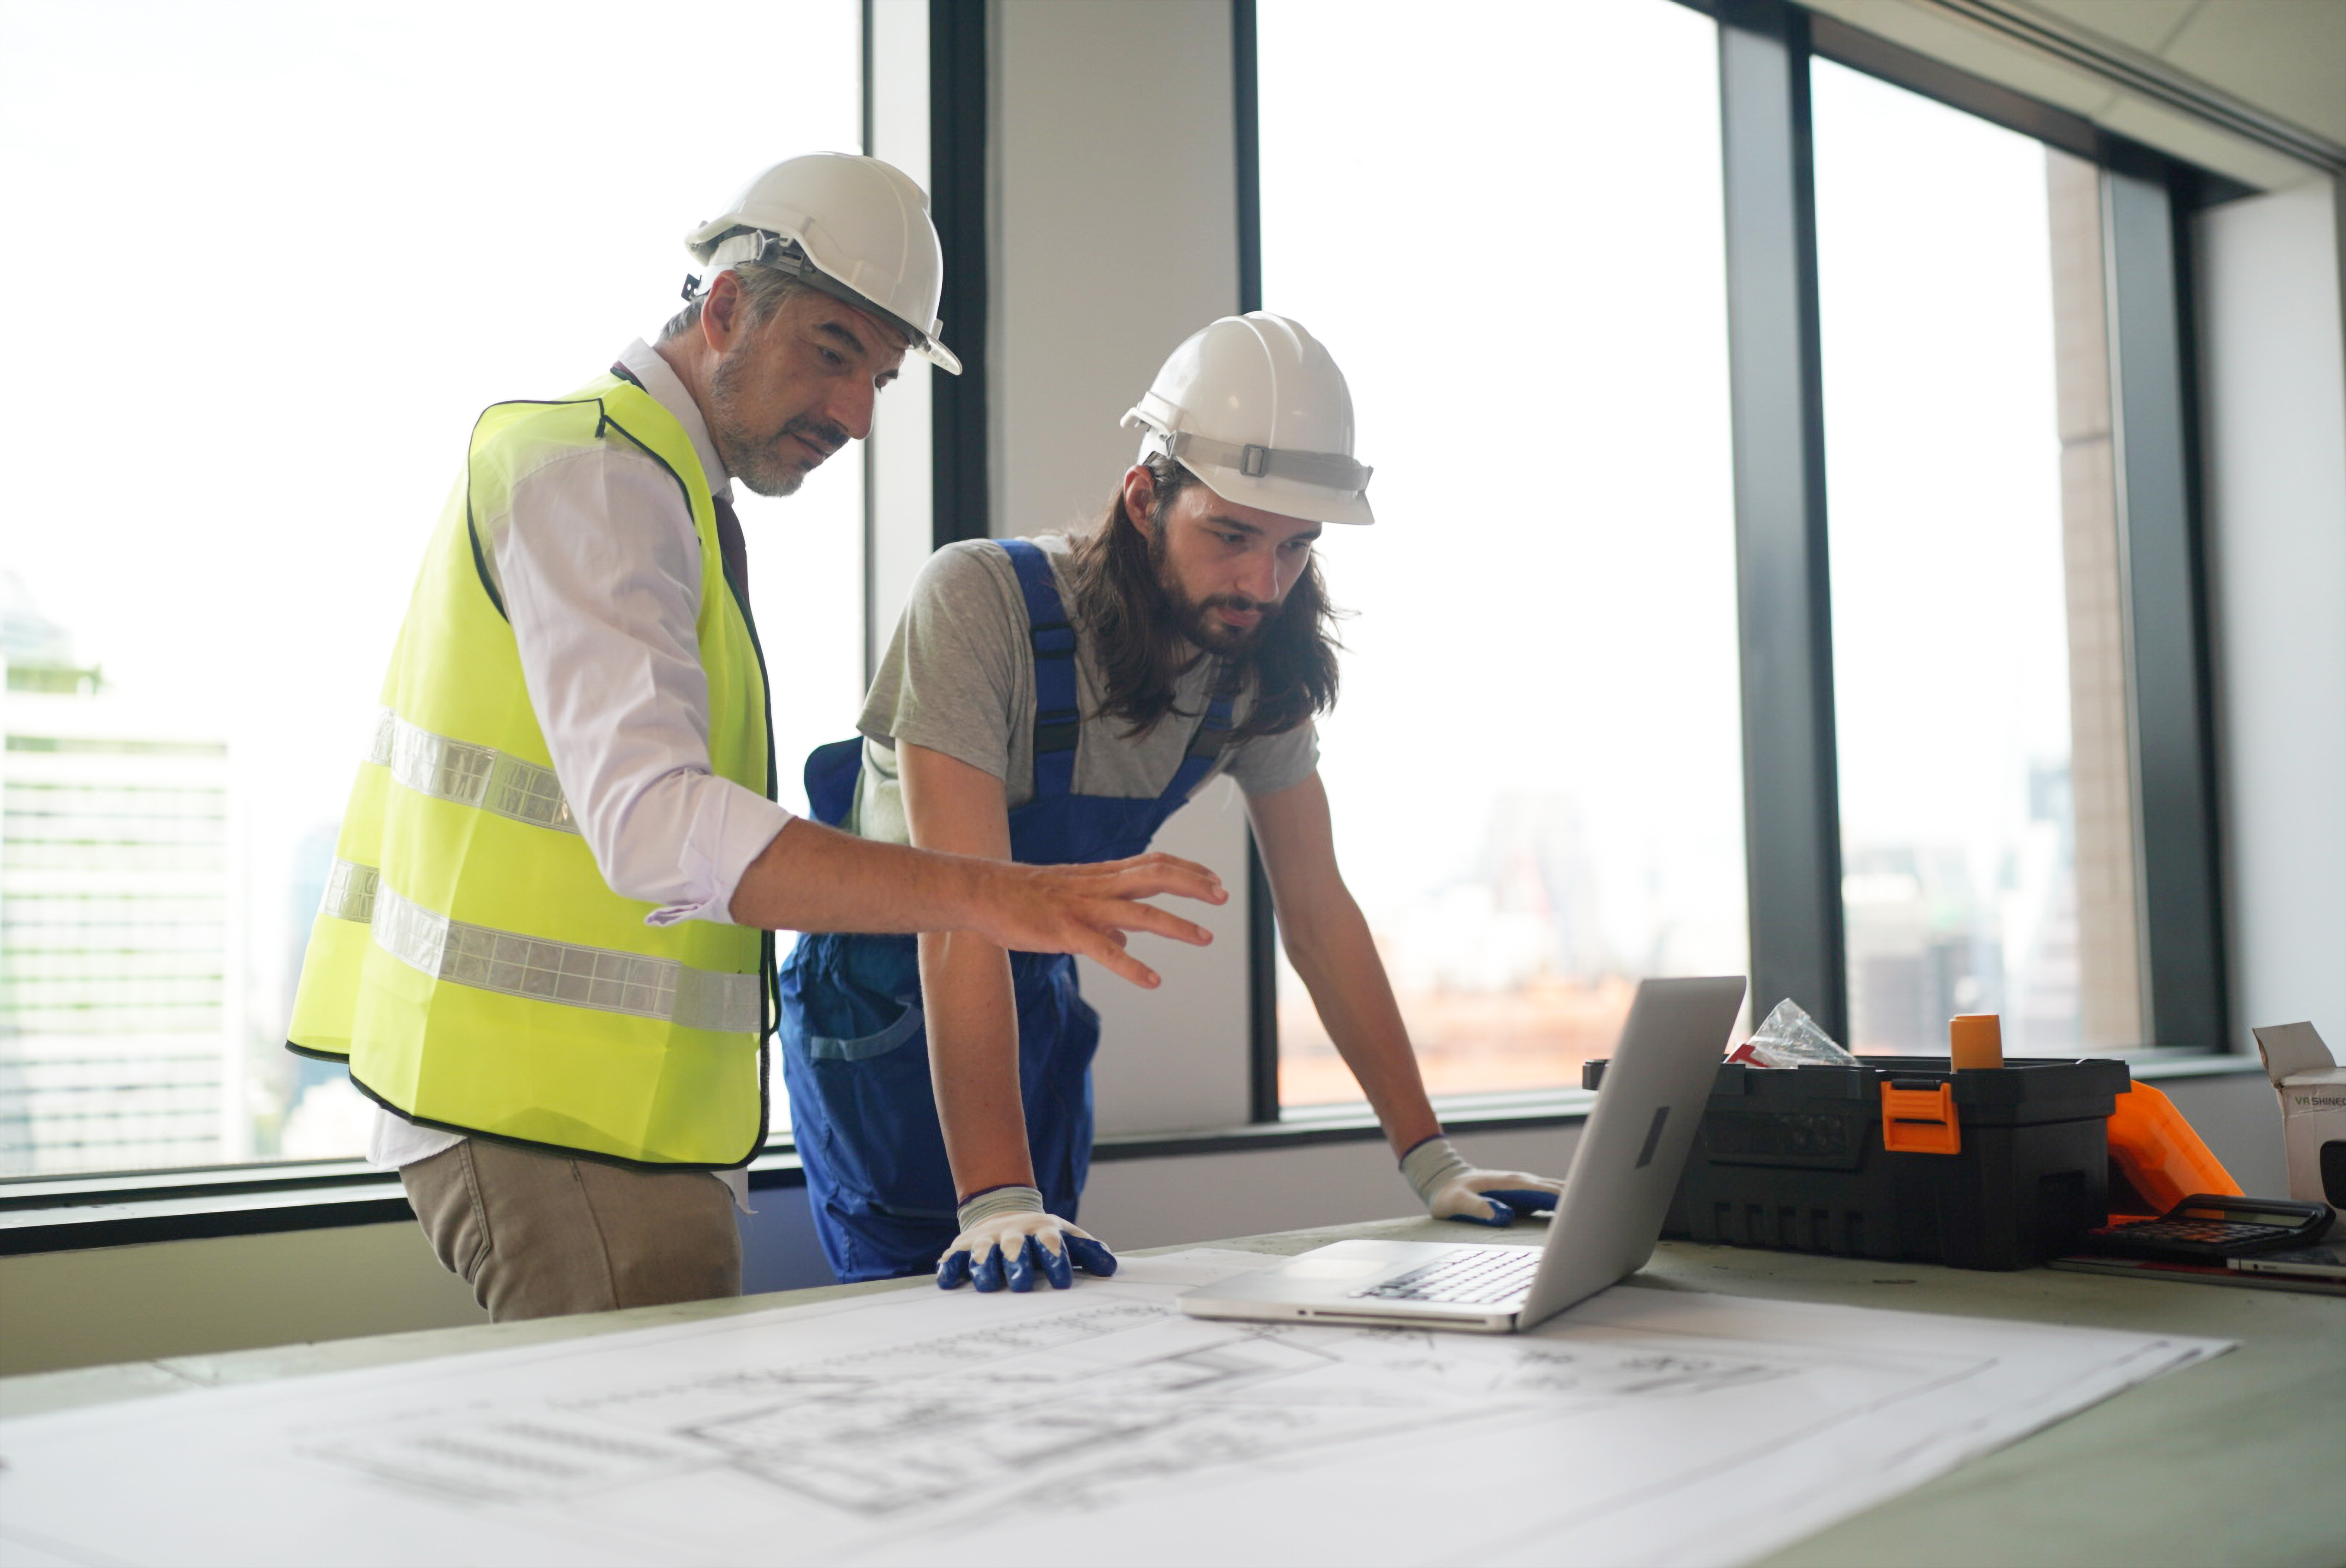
2211	1228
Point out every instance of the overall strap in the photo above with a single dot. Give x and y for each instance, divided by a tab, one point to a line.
1205	744
1057	718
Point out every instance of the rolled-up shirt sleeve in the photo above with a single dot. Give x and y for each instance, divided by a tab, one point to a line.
600	572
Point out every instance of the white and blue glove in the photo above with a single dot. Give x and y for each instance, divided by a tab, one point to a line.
1008	1238
1453	1189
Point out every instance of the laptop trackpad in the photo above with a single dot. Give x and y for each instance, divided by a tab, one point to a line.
1334	1268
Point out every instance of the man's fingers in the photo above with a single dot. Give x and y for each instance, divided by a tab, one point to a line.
1147	876
987	1274
1158	922
1459	1202
1020	1274
1090	1256
1112	957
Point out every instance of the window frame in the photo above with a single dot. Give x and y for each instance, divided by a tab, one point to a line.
64	1211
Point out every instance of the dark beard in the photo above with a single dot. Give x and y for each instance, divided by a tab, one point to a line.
749	458
1192	617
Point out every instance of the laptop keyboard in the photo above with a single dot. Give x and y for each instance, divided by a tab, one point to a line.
1470	1276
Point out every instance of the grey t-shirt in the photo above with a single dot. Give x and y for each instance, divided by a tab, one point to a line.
959	678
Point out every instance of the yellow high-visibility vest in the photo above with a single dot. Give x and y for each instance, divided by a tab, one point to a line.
468	961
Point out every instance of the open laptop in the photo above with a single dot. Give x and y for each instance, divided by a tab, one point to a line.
1631	1151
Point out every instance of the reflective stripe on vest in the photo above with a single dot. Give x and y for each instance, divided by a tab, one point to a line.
471	775
567	972
468	958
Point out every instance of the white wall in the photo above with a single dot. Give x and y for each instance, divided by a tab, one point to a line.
1207	1198
231	1293
1116	237
2273	357
900	526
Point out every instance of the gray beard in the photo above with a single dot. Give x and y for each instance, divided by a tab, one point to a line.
750	457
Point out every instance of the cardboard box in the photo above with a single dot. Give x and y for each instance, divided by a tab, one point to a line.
2313	1089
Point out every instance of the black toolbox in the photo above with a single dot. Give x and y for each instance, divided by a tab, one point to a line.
1901	1157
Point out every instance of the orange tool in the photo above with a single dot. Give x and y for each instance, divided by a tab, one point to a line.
2156	1159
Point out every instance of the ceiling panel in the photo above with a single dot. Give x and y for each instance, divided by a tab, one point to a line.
2144	25
2285	57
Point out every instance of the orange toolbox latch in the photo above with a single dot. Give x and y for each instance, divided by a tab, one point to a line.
1919	1121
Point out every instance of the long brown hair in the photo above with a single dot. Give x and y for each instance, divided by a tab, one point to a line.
1120	597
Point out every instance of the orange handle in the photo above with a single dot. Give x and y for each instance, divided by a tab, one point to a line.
1921	1120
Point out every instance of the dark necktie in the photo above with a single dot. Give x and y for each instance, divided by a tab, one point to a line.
733	547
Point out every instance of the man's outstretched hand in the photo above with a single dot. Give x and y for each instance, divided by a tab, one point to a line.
810	877
1087	909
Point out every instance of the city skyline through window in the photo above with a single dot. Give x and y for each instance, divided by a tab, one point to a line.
274	259
1536	766
1986	823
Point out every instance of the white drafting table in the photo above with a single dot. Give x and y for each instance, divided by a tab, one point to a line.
2238	1459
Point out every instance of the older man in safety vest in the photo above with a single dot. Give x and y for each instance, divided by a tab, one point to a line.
1055	700
544	950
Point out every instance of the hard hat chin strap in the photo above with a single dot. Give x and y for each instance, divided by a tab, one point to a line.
1321	470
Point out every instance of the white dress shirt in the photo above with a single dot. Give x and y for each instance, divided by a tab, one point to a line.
599	567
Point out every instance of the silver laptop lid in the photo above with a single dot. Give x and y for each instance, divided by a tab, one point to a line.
1636	1141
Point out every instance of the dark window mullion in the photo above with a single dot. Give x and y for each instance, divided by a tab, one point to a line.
957	202
2165	618
1262	924
1792	795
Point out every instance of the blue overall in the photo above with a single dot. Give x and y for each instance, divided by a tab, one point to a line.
854	1051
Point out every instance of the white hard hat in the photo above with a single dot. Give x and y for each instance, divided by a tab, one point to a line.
853	226
1256	408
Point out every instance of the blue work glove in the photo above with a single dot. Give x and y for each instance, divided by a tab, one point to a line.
1008	1239
1453	1189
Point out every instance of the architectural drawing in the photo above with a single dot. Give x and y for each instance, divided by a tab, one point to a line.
1645	1425
1073	1407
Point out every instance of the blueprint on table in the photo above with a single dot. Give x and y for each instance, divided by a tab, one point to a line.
1645	1426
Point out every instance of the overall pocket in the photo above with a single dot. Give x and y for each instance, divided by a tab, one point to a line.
856	1060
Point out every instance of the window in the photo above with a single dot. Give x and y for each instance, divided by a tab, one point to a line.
275	258
1514	253
1987	831
1950	556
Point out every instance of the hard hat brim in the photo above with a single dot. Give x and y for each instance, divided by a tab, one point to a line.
937	354
1305	502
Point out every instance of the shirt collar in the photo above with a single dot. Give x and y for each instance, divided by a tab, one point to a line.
652	372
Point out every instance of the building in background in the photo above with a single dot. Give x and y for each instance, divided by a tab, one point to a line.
1506	975
120	1043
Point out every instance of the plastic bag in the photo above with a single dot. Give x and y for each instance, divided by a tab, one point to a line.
1789	1037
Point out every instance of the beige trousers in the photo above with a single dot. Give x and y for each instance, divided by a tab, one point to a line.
541	1235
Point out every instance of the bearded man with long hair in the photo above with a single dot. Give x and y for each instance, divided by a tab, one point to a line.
1055	700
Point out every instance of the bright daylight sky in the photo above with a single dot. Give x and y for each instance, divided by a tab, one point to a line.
1548	600
1949	628
269	261
1530	307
